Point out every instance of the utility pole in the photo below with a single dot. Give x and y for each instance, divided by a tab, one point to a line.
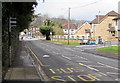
68	26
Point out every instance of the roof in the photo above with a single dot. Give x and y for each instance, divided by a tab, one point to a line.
72	26
118	17
111	29
112	13
95	21
101	17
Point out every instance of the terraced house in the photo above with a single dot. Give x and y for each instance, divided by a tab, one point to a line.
104	26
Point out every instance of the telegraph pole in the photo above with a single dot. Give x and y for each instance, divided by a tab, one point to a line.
68	26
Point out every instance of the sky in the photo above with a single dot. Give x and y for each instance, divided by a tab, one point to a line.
79	9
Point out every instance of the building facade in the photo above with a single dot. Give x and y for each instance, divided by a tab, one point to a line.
84	31
72	30
104	26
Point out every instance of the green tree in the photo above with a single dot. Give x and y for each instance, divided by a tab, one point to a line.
23	12
45	30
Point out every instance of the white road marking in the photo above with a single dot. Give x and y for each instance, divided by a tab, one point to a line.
88	67
83	58
46	56
96	66
108	66
66	57
84	61
112	73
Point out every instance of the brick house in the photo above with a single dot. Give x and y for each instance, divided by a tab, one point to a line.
104	26
84	31
73	28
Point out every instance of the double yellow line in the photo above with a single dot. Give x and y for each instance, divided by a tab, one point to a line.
36	56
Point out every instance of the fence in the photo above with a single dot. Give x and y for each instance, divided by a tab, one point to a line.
73	38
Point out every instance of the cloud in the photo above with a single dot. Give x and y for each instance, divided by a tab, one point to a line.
57	8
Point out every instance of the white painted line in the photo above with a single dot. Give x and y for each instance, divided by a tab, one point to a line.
88	67
84	61
66	57
112	73
96	66
84	58
108	66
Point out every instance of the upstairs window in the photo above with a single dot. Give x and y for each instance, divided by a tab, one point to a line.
110	25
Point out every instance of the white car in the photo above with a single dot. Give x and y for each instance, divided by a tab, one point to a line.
29	37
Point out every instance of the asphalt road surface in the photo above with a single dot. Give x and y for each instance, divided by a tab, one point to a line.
70	63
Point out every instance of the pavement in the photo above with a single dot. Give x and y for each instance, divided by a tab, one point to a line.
22	68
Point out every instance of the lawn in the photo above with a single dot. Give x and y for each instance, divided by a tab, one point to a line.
66	43
111	49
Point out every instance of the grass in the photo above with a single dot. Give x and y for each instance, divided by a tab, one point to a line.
66	43
111	49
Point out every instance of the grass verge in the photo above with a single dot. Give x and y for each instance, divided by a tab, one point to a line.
111	49
66	43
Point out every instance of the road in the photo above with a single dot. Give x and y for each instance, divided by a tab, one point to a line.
70	63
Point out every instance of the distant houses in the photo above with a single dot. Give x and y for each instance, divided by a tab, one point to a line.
73	28
105	27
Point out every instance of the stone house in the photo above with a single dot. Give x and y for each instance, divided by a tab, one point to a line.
104	26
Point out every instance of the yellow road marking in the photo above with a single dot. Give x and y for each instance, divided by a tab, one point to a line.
80	77
36	57
71	78
103	74
52	70
70	71
57	70
94	77
58	78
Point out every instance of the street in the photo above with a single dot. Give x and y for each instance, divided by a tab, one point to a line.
69	63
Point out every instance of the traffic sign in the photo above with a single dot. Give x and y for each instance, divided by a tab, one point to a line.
13	22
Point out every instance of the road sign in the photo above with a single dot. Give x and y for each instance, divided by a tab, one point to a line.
13	22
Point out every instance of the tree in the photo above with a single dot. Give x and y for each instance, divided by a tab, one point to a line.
23	12
45	30
57	29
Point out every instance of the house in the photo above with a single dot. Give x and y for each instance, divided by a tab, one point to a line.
84	31
34	31
103	26
72	29
117	27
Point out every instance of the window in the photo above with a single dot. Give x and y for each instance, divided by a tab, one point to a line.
65	30
110	25
72	30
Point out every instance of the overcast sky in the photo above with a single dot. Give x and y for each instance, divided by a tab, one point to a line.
80	9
